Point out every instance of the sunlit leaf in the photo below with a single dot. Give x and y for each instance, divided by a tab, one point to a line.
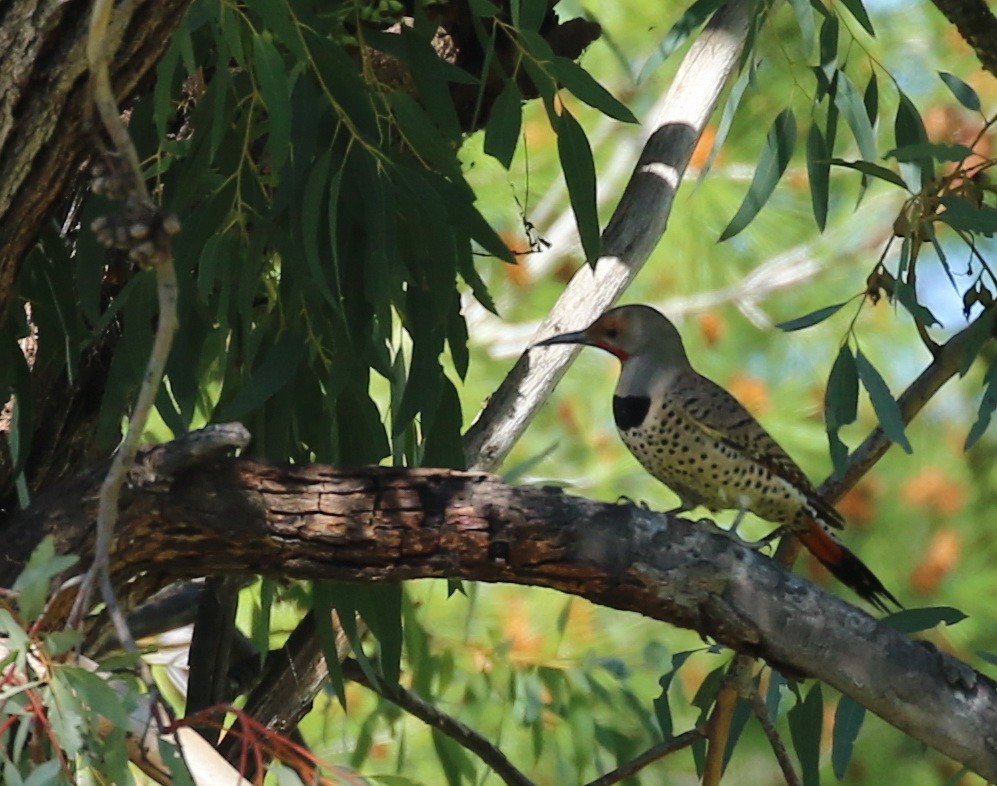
805	19
693	16
584	87
964	94
778	149
32	584
852	108
579	174
886	407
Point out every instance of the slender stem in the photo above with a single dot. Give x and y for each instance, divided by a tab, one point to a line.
778	746
446	724
649	756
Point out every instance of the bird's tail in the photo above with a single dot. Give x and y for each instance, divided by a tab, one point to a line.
845	566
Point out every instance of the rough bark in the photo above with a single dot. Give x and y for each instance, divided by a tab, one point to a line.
977	24
44	117
236	517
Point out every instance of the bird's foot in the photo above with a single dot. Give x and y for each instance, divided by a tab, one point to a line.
754	545
623	499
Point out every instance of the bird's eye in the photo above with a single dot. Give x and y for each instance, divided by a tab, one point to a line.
612	333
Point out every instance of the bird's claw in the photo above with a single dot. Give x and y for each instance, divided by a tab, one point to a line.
624	499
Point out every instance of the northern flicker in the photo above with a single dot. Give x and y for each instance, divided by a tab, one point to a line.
698	440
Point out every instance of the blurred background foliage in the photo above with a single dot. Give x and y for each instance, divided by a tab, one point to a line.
341	296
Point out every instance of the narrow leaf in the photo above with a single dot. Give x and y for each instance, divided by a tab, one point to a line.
841	399
964	94
504	124
916	620
806	720
886	407
275	85
939	152
691	19
962	214
848	717
908	129
584	87
852	108
818	172
779	144
810	319
868	168
905	294
805	19
579	175
322	609
987	405
870	99
861	15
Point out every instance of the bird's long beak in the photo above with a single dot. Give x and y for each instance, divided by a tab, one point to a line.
576	337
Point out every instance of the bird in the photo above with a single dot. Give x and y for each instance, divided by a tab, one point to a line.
697	439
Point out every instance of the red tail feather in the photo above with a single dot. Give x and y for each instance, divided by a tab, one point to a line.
845	566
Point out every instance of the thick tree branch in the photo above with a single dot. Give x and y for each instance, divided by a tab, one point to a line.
632	233
977	25
236	516
44	126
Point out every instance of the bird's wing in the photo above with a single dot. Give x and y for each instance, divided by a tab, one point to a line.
723	417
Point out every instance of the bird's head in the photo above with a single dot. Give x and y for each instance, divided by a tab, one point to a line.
630	332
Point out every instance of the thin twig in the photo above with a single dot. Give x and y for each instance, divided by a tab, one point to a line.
649	756
778	746
166	284
446	724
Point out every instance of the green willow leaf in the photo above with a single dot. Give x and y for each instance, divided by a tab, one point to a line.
584	87
848	718
870	99
857	10
504	124
852	108
810	319
987	405
579	174
963	93
962	214
806	721
275	85
908	129
818	173
694	16
805	19
886	407
868	168
916	620
778	149
939	152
